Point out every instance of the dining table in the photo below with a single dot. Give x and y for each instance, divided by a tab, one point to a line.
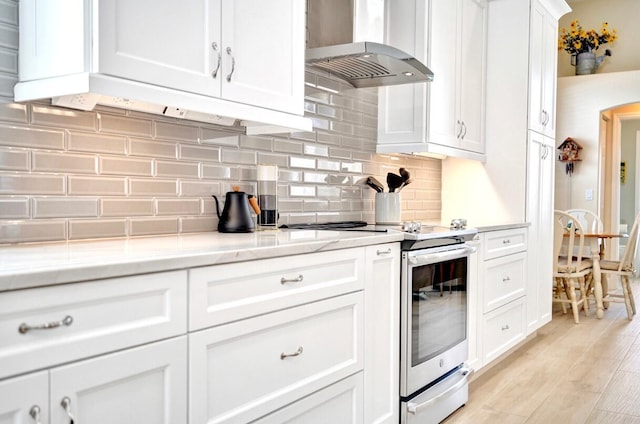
600	286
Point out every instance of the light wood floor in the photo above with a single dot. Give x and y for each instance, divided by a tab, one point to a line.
568	374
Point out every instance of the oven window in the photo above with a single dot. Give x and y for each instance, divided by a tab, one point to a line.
439	311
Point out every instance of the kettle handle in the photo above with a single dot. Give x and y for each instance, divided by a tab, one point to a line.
217	207
254	204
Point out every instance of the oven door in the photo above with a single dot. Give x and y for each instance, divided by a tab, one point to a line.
433	334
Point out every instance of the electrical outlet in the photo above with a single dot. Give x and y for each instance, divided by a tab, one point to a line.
588	194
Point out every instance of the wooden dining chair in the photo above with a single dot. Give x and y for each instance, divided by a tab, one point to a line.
624	270
570	272
590	222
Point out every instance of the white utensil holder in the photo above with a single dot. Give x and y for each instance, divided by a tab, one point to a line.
388	209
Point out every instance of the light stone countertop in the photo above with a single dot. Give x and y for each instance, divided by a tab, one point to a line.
33	265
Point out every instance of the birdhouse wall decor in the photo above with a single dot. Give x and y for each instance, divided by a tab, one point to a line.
569	153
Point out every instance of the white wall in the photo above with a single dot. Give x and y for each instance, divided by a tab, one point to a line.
622	15
580	102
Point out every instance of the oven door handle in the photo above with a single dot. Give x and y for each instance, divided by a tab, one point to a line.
465	372
435	257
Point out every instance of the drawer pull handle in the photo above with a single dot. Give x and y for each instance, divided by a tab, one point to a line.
505	327
67	321
291	280
35	413
287	355
214	46
506	241
233	64
66	404
506	279
383	252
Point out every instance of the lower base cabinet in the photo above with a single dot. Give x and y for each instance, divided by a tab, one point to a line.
146	384
342	402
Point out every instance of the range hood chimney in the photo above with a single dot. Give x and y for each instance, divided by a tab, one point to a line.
345	39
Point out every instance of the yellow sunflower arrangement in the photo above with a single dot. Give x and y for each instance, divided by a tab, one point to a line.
576	40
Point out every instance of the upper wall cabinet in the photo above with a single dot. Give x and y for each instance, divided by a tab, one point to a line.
543	62
197	59
445	116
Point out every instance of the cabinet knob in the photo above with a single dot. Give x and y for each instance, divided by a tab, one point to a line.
383	252
506	241
506	279
505	327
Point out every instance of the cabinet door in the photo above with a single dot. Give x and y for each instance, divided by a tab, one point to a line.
536	117
540	184
445	52
142	385
263	53
164	42
549	74
473	74
382	334
22	396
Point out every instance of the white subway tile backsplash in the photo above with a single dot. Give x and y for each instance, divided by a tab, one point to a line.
237	156
199	152
221	138
316	205
152	148
19	136
289	176
199	188
96	186
64	162
114	206
300	162
328	138
302	191
328	192
316	178
328	165
65	118
14	159
13	112
96	143
177	169
178	206
64	207
220	172
272	159
32	184
316	150
173	131
93	228
9	12
153	226
117	165
32	231
256	143
198	224
152	187
111	123
9	35
7	82
351	167
287	146
8	61
14	208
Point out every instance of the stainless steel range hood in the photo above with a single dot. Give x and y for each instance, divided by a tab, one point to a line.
345	40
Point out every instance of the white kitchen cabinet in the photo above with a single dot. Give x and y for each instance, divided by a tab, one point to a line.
540	185
543	63
382	334
25	399
247	51
446	116
503	272
146	384
88	318
339	403
201	60
246	369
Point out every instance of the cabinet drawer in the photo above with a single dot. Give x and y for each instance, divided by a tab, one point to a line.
503	328
239	371
104	316
339	403
225	293
504	280
505	242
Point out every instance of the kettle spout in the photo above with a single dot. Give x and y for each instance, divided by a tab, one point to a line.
600	59
217	206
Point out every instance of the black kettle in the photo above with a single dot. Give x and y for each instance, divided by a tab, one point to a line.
236	217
